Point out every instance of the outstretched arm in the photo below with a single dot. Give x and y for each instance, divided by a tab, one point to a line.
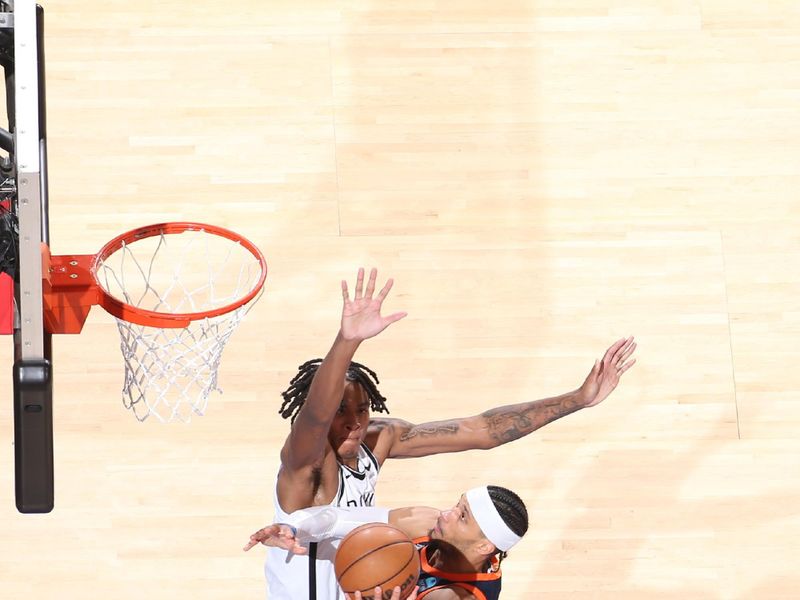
361	319
277	535
319	523
504	424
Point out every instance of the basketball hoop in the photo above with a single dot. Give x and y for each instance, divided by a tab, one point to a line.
178	292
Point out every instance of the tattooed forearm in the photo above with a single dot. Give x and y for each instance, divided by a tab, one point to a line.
509	423
429	430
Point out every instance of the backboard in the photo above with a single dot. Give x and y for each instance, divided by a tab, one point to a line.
42	294
24	231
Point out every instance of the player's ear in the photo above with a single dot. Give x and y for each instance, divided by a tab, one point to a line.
486	548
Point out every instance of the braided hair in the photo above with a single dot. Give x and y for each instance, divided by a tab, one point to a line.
295	395
512	510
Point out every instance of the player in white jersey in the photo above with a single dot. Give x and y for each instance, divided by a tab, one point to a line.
310	576
329	402
325	460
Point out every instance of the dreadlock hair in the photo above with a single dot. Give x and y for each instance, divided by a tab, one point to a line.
512	510
295	395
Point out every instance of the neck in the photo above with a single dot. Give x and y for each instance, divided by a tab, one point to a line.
350	461
448	558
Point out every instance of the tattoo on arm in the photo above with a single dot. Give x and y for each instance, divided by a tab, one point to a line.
509	423
430	430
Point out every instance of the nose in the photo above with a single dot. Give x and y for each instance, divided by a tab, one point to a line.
352	423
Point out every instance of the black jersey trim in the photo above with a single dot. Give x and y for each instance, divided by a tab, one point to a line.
340	495
312	571
361	475
371	456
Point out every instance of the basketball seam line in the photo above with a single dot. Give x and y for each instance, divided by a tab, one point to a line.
410	558
375	550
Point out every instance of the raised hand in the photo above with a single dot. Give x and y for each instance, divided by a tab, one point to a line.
278	535
361	315
378	594
605	374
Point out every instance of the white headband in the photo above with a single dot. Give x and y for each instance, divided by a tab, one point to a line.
489	520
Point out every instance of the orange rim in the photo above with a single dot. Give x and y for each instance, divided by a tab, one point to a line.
150	318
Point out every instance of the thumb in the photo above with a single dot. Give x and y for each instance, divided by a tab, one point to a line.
594	374
393	318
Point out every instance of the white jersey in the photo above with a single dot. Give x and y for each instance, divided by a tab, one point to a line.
311	577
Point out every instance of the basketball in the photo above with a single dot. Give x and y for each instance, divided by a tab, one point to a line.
377	554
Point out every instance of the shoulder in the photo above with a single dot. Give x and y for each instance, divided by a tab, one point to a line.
378	425
381	434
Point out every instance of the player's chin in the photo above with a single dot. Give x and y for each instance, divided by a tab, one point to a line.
348	447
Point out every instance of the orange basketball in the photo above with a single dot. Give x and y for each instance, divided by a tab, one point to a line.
377	554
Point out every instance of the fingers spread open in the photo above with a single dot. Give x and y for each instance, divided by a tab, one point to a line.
373	275
359	284
385	291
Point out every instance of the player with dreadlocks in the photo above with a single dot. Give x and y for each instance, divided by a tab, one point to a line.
334	450
297	392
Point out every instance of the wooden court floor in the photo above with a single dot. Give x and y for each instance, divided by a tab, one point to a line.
540	178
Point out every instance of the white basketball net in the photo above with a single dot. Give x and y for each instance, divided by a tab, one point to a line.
170	372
